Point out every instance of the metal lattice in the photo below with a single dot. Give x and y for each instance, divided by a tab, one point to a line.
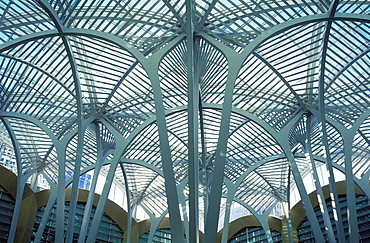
204	104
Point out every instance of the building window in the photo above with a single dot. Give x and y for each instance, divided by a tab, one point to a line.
254	234
363	220
6	213
160	236
108	230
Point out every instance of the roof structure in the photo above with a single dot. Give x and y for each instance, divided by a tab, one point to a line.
203	104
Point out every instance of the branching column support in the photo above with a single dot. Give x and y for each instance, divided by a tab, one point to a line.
80	133
303	192
76	178
348	137
177	232
154	223
21	182
220	157
193	124
263	219
61	159
120	145
289	218
45	217
106	189
103	199
322	119
231	190
320	194
129	208
90	197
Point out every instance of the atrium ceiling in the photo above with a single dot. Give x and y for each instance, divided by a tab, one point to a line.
204	104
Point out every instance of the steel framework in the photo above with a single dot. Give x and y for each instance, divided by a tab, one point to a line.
191	106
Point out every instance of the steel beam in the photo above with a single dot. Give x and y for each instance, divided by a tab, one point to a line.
322	119
303	193
90	197
167	164
353	230
121	144
320	194
193	125
21	181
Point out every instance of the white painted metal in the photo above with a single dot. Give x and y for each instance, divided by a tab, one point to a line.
261	66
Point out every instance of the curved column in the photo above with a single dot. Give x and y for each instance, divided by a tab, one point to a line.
21	182
321	118
45	216
121	143
154	223
363	183
76	178
220	156
351	180
348	137
129	208
320	194
193	125
81	126
170	184
231	190
33	120
263	219
76	174
90	198
316	229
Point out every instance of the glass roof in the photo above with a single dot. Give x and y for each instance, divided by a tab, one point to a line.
106	82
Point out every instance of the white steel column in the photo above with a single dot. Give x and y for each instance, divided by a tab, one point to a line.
348	137
322	119
154	223
90	197
211	221
177	232
231	189
121	144
59	220
76	178
288	215
193	124
45	217
129	208
303	193
263	219
319	192
21	182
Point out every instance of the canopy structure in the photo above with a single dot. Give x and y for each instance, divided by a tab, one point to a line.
192	108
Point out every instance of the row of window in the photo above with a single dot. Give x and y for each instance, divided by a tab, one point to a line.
6	212
254	234
363	220
110	232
